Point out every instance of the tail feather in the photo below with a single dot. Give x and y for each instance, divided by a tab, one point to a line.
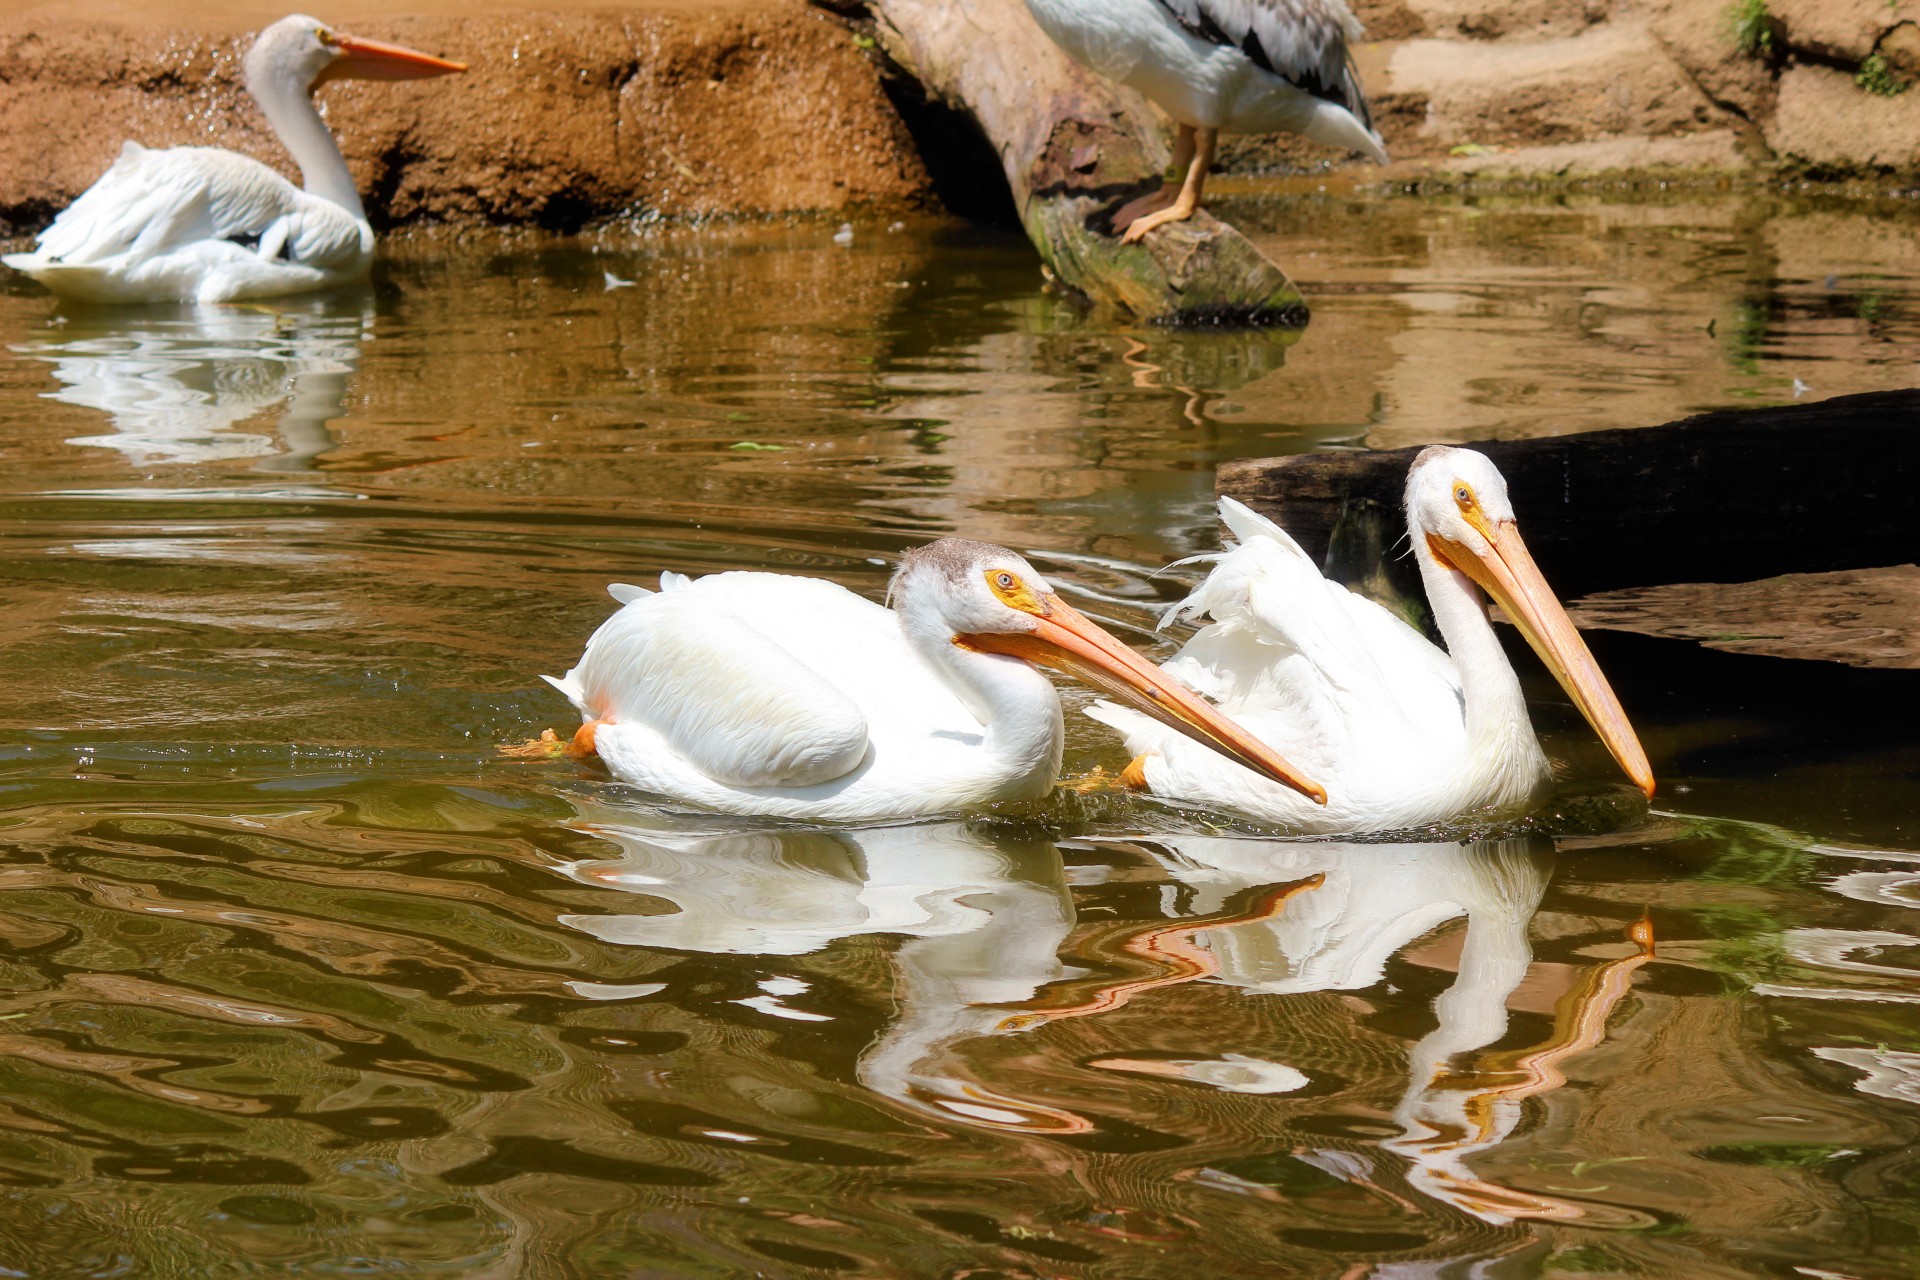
626	592
570	689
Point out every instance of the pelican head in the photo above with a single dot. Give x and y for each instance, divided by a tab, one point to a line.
305	52
985	599
1457	500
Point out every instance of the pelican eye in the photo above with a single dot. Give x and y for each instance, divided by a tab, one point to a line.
323	35
1013	591
1463	495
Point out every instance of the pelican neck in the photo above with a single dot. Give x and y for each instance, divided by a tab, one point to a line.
1489	688
296	122
1022	729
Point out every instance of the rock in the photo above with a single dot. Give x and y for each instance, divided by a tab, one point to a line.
1698	36
572	113
1718	149
1824	119
1498	19
1614	79
1846	30
1388	19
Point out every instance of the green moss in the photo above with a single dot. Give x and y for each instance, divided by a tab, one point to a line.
1752	27
1876	77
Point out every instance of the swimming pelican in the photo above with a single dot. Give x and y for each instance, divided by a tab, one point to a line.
201	224
1242	66
1400	734
788	697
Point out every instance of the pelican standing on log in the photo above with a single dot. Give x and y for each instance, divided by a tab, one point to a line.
202	224
1238	66
1399	733
790	697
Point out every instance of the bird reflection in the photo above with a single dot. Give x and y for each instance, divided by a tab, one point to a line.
1373	901
983	921
177	385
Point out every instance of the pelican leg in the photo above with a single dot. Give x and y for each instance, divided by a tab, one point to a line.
1132	210
1134	776
1189	199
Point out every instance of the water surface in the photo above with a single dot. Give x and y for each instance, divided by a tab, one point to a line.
300	978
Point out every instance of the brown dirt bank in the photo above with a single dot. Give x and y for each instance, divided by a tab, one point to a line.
570	112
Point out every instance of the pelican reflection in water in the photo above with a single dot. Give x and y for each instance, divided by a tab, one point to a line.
1372	902
210	384
983	919
986	919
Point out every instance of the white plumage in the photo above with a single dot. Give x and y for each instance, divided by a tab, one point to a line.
200	224
1400	733
1233	66
758	693
698	700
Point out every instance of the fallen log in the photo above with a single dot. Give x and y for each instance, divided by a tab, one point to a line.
1074	148
1730	496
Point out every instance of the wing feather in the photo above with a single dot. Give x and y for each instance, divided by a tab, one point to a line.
724	696
194	223
1304	42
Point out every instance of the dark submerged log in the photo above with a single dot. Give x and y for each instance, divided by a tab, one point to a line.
1729	496
1075	148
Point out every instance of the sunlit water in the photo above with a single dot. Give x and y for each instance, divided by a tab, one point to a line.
300	978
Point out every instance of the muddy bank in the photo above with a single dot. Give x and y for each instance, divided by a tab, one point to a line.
568	114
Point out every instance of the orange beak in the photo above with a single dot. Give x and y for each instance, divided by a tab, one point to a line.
363	59
1067	640
1509	575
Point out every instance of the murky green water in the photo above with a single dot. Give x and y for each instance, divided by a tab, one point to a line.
295	977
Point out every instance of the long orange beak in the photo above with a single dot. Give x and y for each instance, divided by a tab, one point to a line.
1067	640
1509	575
363	59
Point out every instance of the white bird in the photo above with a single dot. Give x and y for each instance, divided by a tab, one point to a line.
200	224
1238	66
788	697
1400	734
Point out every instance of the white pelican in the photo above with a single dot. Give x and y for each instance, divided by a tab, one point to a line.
1400	734
1242	66
199	224
787	697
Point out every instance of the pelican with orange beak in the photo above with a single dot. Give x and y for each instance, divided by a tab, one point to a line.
201	224
1400	733
790	697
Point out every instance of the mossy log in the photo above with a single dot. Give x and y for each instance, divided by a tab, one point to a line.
1074	148
1731	496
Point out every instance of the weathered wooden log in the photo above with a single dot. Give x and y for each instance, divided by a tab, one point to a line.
1730	496
1074	148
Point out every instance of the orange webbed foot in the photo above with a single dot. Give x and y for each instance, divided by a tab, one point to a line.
548	745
